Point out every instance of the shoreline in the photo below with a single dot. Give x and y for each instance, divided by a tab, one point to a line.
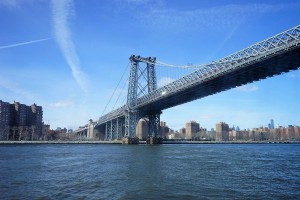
144	142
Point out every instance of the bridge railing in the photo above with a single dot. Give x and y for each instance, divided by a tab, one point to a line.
286	38
281	42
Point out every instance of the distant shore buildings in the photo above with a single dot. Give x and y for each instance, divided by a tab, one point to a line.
223	132
142	129
21	122
280	133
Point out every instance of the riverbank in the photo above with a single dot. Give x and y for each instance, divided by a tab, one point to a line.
144	142
231	142
61	142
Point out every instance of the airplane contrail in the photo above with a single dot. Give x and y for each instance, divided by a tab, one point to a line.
63	11
23	43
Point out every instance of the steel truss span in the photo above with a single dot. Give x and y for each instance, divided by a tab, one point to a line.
270	57
273	56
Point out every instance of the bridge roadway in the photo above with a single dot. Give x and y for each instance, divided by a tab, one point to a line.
223	80
273	56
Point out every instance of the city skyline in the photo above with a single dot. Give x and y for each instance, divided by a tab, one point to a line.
68	56
231	126
222	132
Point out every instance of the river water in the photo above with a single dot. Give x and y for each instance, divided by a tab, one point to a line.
190	171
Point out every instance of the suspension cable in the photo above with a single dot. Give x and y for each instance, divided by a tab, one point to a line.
220	61
115	89
120	94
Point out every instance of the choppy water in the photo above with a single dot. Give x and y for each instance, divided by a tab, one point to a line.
212	171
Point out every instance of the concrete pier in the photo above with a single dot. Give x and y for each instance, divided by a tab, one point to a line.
128	140
154	140
61	142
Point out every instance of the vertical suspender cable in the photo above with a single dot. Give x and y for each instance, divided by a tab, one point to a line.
115	90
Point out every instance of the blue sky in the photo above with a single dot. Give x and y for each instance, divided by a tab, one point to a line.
68	56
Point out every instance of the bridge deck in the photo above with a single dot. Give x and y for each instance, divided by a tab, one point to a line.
269	67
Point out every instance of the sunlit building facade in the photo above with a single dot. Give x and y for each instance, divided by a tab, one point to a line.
191	129
222	131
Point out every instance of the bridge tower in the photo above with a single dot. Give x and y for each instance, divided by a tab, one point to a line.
142	80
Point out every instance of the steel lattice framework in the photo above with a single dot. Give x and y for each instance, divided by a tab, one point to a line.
137	87
270	47
273	56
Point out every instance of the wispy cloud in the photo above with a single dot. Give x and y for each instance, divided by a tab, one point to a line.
293	75
247	88
63	10
13	87
23	43
137	1
9	3
18	3
62	103
219	17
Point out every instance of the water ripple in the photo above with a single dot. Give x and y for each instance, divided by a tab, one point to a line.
150	172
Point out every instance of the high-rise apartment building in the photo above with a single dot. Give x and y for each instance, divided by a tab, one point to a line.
20	114
161	123
142	129
5	119
297	132
290	132
182	131
20	122
35	117
222	131
191	129
164	130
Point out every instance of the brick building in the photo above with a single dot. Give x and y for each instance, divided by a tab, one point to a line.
192	128
21	122
142	129
164	130
222	131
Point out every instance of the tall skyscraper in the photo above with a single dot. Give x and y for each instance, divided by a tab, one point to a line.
272	124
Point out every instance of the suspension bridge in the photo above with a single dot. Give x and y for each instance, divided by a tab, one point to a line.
146	98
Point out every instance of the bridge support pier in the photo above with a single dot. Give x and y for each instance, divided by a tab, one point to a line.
154	120
129	140
154	140
131	120
90	131
114	129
